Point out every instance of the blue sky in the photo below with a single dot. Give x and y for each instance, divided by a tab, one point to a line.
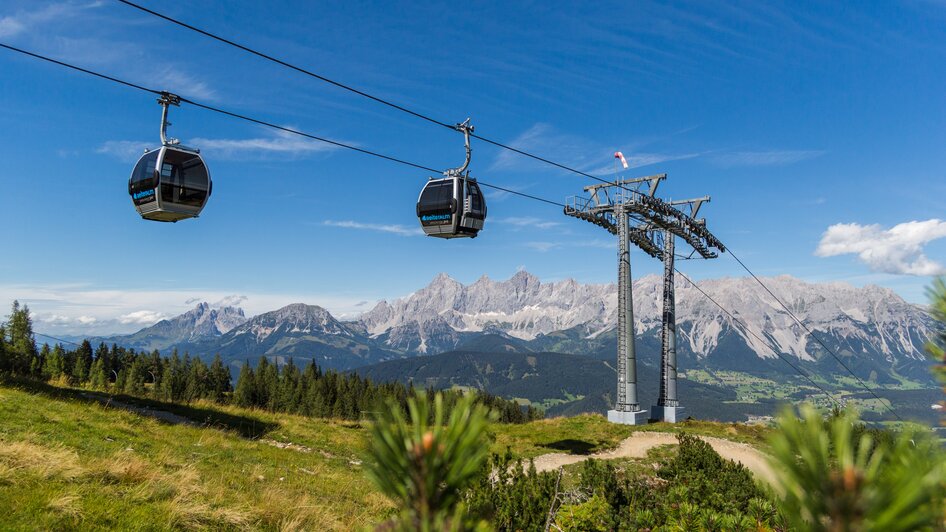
817	128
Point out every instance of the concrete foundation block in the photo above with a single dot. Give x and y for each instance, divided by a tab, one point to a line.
638	417
670	414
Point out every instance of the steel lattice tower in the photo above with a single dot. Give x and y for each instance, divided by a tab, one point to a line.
613	206
668	333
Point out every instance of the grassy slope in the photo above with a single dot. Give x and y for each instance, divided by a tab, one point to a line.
67	461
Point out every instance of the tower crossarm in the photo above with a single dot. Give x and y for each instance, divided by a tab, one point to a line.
679	218
604	218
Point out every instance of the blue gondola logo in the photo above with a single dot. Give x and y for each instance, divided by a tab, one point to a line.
434	217
143	194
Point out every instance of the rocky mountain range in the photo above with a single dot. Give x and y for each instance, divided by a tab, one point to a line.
874	330
202	323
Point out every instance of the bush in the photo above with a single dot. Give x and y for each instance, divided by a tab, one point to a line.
423	465
833	477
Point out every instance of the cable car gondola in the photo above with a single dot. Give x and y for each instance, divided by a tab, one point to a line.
453	206
172	182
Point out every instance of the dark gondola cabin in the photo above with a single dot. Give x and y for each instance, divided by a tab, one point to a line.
451	207
170	183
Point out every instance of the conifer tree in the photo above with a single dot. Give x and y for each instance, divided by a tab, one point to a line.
198	378
83	362
135	377
220	380
424	460
44	353
22	347
97	376
55	363
5	363
245	393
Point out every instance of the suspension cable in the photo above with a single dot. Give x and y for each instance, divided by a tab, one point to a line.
365	94
265	123
757	337
816	337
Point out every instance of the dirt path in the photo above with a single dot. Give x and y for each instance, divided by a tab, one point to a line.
637	445
167	417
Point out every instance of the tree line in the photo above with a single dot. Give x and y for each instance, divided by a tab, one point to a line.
308	391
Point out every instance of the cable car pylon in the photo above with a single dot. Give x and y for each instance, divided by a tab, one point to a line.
612	206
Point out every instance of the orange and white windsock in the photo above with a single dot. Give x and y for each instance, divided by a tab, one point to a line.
619	155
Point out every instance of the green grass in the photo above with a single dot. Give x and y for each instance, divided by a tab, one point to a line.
592	433
68	461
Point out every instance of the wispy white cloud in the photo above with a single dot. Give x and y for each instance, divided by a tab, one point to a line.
280	143
543	139
898	250
125	150
543	246
185	84
527	222
17	24
765	158
62	30
577	152
10	26
142	317
639	160
230	301
395	229
85	310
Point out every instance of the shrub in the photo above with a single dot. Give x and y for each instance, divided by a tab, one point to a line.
834	478
423	465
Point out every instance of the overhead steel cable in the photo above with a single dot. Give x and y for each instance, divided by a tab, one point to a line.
80	69
364	94
308	135
265	123
816	337
286	64
757	337
60	340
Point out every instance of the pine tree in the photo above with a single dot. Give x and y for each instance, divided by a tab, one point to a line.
267	383
135	376
5	362
83	362
197	381
97	376
424	466
22	347
245	393
220	380
174	379
44	355
832	476
55	363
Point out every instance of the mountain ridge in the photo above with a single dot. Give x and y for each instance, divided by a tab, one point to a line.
878	333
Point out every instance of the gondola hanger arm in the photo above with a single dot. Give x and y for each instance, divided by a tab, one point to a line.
167	99
465	128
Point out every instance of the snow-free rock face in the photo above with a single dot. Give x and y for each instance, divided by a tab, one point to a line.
200	324
297	318
869	320
522	307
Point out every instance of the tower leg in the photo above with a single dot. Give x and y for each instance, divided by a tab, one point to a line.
626	409
668	407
